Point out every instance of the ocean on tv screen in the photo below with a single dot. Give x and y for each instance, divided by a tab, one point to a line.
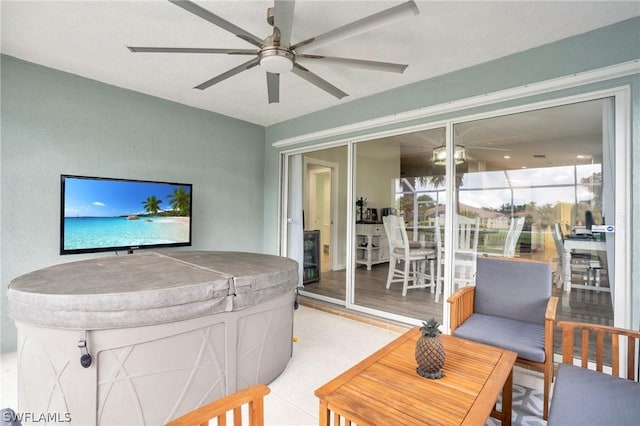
124	231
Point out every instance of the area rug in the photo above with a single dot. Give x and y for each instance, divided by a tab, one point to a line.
526	409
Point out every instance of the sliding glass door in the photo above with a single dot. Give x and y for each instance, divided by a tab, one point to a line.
536	184
396	264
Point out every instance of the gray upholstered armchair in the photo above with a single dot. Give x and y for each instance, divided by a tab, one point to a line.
510	307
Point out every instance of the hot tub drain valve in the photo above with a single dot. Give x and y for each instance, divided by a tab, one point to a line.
85	358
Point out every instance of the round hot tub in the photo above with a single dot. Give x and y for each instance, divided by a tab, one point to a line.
144	338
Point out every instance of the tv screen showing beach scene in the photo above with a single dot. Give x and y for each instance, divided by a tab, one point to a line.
105	214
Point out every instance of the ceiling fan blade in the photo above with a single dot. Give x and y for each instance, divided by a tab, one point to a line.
140	49
218	21
283	20
312	78
358	27
273	87
249	64
369	65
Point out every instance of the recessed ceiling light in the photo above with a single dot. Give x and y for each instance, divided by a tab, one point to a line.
506	157
580	156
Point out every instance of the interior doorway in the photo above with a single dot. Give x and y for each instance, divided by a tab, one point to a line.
319	203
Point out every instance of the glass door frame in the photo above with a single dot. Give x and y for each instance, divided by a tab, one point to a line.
622	220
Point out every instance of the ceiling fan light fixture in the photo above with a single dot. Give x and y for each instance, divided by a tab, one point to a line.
276	60
440	155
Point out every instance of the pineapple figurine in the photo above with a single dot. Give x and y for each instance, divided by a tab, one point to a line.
429	351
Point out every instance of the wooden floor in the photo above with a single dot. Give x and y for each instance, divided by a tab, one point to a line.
371	293
580	305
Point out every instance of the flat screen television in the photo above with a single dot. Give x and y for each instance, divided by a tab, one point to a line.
105	214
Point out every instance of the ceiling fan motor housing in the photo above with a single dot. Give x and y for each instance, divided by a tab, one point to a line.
276	59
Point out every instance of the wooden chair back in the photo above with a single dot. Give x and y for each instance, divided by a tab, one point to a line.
252	396
396	233
468	231
399	243
618	337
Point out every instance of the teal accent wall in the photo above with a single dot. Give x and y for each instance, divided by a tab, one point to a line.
615	44
56	123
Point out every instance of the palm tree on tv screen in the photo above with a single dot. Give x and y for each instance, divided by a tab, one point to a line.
152	204
180	201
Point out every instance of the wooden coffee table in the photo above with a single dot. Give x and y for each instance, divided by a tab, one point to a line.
384	389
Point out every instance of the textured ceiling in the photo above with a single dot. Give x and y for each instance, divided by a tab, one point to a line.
89	38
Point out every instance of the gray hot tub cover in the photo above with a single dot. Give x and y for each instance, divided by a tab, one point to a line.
147	288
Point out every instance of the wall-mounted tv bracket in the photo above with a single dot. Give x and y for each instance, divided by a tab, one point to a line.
85	357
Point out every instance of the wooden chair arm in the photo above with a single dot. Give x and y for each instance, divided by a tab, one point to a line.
552	305
600	331
549	331
254	396
461	306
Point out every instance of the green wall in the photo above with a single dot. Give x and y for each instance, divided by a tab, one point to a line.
56	123
619	43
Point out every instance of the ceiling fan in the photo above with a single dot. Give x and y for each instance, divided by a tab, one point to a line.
277	55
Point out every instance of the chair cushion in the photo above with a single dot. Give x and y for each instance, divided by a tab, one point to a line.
518	290
586	397
419	252
524	338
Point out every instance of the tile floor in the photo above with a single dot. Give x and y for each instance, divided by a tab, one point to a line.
327	344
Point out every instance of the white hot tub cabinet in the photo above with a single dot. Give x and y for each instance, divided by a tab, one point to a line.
167	333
